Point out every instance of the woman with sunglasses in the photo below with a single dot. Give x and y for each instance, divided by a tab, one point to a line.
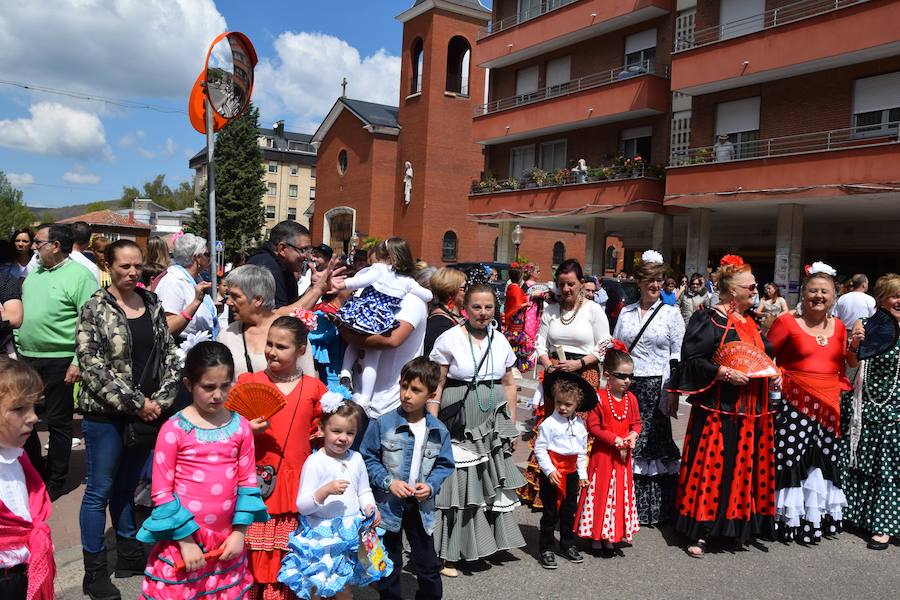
810	348
726	486
653	331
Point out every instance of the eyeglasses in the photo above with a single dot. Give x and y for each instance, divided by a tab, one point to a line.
749	288
40	243
622	376
304	250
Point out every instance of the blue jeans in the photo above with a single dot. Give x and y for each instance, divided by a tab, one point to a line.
112	474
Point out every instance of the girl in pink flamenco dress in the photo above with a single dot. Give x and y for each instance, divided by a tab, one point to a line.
204	490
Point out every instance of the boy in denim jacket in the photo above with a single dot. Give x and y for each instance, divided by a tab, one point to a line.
408	456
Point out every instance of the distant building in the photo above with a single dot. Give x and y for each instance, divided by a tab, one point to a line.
161	220
114	226
289	161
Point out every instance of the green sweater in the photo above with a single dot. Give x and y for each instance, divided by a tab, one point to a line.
52	299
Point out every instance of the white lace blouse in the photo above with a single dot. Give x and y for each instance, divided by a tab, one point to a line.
660	342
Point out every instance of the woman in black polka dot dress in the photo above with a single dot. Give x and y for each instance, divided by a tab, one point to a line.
873	440
810	348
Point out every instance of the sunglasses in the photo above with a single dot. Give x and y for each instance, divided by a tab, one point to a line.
749	288
622	376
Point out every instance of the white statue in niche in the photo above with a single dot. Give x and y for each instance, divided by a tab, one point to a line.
407	183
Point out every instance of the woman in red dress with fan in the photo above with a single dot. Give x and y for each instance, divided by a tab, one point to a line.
811	350
282	446
726	486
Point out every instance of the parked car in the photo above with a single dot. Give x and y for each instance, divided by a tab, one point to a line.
502	276
621	294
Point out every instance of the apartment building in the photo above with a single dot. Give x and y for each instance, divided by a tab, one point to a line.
289	161
764	127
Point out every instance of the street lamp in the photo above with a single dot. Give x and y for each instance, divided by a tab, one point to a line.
517	239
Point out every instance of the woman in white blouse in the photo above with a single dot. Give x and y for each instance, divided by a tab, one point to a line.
655	456
478	501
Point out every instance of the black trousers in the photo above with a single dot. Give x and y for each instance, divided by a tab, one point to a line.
14	582
564	515
424	560
60	406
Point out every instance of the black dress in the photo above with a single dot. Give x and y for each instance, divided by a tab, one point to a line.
436	324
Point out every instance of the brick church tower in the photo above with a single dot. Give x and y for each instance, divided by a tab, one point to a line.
439	90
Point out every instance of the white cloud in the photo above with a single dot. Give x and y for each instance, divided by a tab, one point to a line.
56	129
120	48
130	139
169	147
82	178
302	83
146	153
20	179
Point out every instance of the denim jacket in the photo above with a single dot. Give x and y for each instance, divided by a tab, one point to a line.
387	449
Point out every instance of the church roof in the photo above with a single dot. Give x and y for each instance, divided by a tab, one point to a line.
467	3
469	8
376	118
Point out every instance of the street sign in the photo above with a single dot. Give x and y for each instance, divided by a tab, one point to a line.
220	246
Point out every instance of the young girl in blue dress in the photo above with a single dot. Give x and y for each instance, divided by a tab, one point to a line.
336	505
384	284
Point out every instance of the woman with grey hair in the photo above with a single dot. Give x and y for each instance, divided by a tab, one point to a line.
251	299
183	293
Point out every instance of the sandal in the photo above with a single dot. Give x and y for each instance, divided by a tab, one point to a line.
448	570
700	552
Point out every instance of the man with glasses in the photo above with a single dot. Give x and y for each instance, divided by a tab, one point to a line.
52	296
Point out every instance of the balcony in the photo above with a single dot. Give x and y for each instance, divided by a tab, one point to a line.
795	39
558	23
615	95
839	162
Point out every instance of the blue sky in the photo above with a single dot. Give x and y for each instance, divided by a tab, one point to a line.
61	150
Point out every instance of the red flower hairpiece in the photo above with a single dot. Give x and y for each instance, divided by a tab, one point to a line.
731	260
307	317
514	265
618	345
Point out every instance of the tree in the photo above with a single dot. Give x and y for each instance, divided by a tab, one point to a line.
13	212
239	186
162	194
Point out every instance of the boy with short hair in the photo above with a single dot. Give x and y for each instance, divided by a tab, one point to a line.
408	456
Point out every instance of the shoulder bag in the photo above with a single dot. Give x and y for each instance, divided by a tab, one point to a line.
266	475
454	416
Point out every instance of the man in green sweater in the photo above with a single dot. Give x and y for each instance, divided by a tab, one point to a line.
52	296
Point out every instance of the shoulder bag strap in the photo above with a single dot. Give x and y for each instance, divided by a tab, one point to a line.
644	328
246	353
291	426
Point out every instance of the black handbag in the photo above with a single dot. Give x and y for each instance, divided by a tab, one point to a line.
453	416
266	475
139	433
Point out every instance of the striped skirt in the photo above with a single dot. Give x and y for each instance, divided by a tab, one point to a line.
476	503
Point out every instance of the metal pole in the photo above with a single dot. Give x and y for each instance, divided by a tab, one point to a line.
211	190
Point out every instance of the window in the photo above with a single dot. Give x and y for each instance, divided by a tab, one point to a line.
300	147
636	141
417	55
640	52
312	172
292	191
292	214
553	155
611	258
449	247
342	162
739	120
273	167
559	72
458	56
268	142
521	159
496	248
529	9
526	84
876	104
312	193
294	170
272	189
559	253
685	25
740	17
681	136
270	211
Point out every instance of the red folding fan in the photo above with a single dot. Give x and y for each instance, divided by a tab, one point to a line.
746	358
254	400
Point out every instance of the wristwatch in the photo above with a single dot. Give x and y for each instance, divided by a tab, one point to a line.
386	483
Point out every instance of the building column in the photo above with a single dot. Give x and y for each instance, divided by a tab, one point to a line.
506	251
789	251
697	246
662	236
595	246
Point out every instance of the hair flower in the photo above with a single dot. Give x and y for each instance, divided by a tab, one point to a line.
307	317
652	257
732	260
820	267
618	344
177	235
331	401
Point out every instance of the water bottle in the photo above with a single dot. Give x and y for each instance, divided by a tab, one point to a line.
774	397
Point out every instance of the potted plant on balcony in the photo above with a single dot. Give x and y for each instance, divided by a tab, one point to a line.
538	176
510	184
489	184
598	173
559	177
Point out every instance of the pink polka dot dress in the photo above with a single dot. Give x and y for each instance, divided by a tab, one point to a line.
204	483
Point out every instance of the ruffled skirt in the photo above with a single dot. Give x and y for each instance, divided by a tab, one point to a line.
325	558
218	579
656	458
371	312
477	502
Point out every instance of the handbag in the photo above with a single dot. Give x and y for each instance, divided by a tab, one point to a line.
266	475
139	433
453	416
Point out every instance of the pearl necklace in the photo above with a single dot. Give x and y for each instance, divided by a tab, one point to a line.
890	395
568	321
284	378
612	406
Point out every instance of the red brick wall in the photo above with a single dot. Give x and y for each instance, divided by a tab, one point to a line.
537	246
707	14
802	104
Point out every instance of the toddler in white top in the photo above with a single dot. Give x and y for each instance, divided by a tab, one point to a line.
374	311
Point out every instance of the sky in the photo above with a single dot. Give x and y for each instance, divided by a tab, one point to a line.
62	149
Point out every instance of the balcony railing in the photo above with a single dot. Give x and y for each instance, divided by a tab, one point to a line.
821	141
301	147
797	11
575	85
525	14
537	178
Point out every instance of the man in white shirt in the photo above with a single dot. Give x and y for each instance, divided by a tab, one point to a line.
723	150
81	235
855	304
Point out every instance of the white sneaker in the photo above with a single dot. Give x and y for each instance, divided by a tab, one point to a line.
76	442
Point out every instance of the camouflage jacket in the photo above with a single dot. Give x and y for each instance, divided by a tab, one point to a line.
103	349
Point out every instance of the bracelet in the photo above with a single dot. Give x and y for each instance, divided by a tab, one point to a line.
185	315
438	402
583	364
853	350
727	376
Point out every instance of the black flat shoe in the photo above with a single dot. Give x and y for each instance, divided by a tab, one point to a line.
572	554
548	560
874	545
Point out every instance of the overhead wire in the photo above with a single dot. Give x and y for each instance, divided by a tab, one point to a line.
120	102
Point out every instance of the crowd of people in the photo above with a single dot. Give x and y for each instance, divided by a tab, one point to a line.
398	388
